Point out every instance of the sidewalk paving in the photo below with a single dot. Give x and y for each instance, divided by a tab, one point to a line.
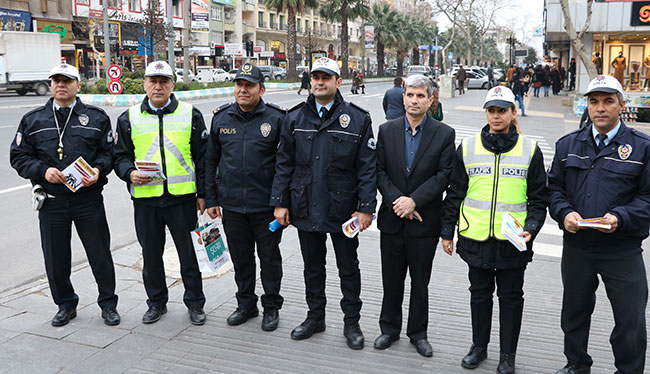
29	344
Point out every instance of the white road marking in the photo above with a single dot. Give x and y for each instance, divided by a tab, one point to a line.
17	188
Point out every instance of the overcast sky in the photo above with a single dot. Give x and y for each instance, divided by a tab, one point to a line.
521	16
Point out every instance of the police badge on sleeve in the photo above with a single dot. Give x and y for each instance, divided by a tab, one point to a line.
624	151
19	138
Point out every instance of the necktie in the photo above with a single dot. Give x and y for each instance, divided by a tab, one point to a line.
323	112
601	141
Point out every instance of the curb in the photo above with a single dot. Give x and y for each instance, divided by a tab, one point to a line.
129	100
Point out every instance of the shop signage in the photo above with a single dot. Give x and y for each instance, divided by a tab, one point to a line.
200	22
64	29
275	44
266	54
280	55
15	20
640	13
233	49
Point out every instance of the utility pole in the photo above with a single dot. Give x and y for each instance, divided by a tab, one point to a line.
170	37
187	24
107	43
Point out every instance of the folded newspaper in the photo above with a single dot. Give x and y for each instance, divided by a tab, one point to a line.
151	169
75	171
595	223
511	228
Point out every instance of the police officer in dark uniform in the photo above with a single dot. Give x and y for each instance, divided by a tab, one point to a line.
603	170
243	141
325	175
49	139
172	133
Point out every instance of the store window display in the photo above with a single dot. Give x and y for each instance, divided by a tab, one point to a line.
619	64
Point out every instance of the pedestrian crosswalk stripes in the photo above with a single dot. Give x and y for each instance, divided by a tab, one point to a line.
548	150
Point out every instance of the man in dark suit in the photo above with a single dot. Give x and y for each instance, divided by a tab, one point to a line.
415	157
393	101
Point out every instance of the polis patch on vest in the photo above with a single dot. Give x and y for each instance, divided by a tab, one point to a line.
515	172
225	131
475	171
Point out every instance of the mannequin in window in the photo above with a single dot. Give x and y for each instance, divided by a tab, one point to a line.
646	76
619	64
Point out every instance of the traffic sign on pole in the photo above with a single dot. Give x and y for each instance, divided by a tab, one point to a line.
115	87
114	72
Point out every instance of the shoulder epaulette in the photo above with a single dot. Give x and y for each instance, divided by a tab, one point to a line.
571	133
89	106
221	108
40	108
639	133
276	107
358	107
297	106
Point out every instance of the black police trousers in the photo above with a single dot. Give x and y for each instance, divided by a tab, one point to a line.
627	290
243	232
89	217
509	284
150	222
314	250
399	253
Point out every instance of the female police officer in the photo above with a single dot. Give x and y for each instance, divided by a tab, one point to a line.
498	171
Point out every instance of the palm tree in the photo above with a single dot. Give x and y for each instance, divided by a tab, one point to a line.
414	32
291	6
386	22
340	11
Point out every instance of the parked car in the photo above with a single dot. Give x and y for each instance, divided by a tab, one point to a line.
179	76
418	69
279	73
474	80
220	75
231	75
272	72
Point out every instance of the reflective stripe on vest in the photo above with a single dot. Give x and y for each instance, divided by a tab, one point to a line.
491	194
178	164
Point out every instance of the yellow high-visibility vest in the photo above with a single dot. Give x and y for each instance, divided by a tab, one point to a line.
176	133
497	184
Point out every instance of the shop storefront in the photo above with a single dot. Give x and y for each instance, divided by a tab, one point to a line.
64	30
619	46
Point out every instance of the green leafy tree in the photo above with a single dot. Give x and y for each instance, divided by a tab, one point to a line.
387	25
291	6
341	11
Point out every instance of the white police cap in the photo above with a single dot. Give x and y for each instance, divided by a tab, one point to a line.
159	68
66	70
499	96
326	65
605	83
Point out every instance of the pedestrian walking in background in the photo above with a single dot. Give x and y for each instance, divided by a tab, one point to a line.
393	101
304	82
546	80
510	73
461	76
519	89
499	163
555	80
603	171
415	157
538	78
326	175
572	74
170	132
490	75
48	140
244	138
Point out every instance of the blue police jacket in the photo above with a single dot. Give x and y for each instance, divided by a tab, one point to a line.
88	134
615	180
242	147
325	168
